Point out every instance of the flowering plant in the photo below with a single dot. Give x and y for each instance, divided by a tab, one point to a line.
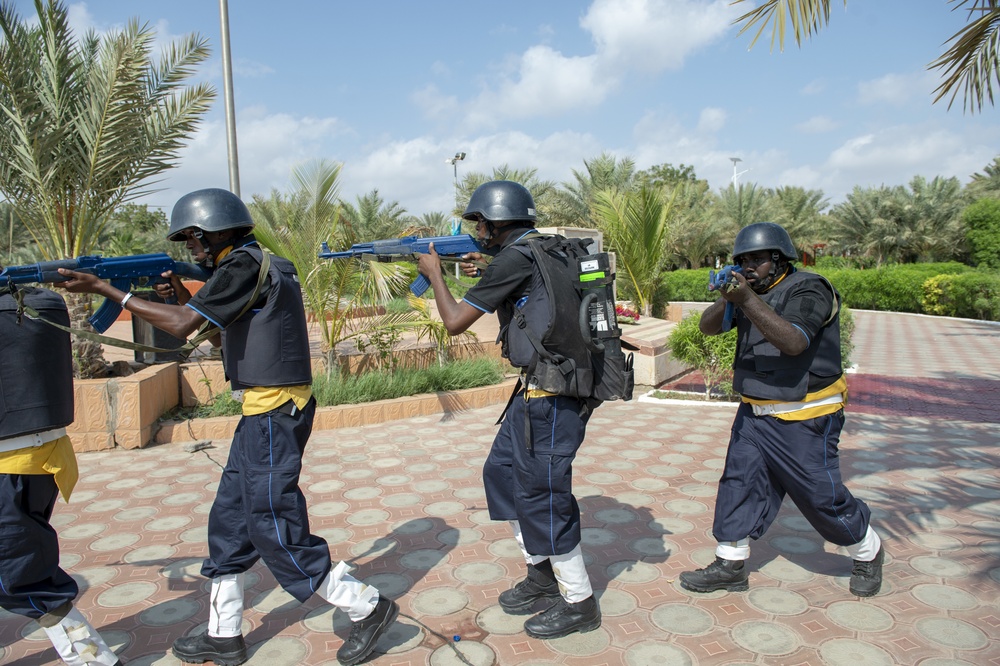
626	315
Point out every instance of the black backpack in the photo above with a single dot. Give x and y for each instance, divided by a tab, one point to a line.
564	335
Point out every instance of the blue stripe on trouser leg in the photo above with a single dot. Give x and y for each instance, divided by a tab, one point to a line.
768	458
31	582
535	487
260	512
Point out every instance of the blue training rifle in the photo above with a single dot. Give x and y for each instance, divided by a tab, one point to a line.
407	249
122	272
724	279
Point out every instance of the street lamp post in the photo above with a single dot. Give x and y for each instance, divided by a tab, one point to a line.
227	76
453	161
456	223
736	176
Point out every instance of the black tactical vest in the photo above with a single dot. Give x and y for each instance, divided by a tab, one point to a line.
543	337
269	345
761	371
36	366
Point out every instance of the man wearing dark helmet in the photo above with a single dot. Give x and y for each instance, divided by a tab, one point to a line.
528	473
786	433
259	512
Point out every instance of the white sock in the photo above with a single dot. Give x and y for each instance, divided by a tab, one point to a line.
866	549
530	559
347	593
734	550
76	642
225	609
571	573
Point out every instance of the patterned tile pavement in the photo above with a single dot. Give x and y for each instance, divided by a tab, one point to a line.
403	502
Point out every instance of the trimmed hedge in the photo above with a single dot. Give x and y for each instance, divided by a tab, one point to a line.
948	288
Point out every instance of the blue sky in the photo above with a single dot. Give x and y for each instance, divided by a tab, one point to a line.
392	89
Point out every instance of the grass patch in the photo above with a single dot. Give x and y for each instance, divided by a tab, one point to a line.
371	386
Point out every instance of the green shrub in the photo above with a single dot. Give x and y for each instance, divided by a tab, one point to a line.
687	285
375	385
969	295
711	355
846	336
384	385
893	288
982	224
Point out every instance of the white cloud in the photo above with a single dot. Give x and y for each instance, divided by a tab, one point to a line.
817	125
814	87
546	83
251	69
434	104
653	35
711	120
629	35
898	89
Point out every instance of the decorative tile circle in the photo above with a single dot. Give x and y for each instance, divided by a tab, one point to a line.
439	601
768	638
649	653
859	617
126	594
849	652
682	619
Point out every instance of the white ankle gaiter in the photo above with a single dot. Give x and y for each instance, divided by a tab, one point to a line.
347	593
225	608
571	573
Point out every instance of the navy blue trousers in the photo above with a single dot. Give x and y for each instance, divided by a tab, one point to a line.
31	582
535	487
259	510
769	458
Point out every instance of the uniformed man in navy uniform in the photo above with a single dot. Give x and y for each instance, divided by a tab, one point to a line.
528	483
785	438
37	464
259	511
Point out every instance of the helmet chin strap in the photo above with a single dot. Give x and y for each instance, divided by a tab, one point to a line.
778	267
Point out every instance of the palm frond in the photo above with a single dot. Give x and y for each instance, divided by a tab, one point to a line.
972	63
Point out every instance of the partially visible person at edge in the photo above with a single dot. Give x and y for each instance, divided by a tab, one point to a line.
259	510
528	484
37	464
786	433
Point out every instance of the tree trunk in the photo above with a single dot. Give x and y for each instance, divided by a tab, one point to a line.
88	356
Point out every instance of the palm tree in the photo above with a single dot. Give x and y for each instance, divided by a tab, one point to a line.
971	63
601	173
933	220
374	218
742	205
986	184
800	212
636	228
16	245
87	125
868	224
698	233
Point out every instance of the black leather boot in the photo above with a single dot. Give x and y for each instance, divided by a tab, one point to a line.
866	577
564	619
365	633
540	583
201	648
730	575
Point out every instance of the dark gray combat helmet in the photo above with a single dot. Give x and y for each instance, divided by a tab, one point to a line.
212	209
764	236
501	201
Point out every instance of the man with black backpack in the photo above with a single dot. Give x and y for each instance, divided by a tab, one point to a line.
528	474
